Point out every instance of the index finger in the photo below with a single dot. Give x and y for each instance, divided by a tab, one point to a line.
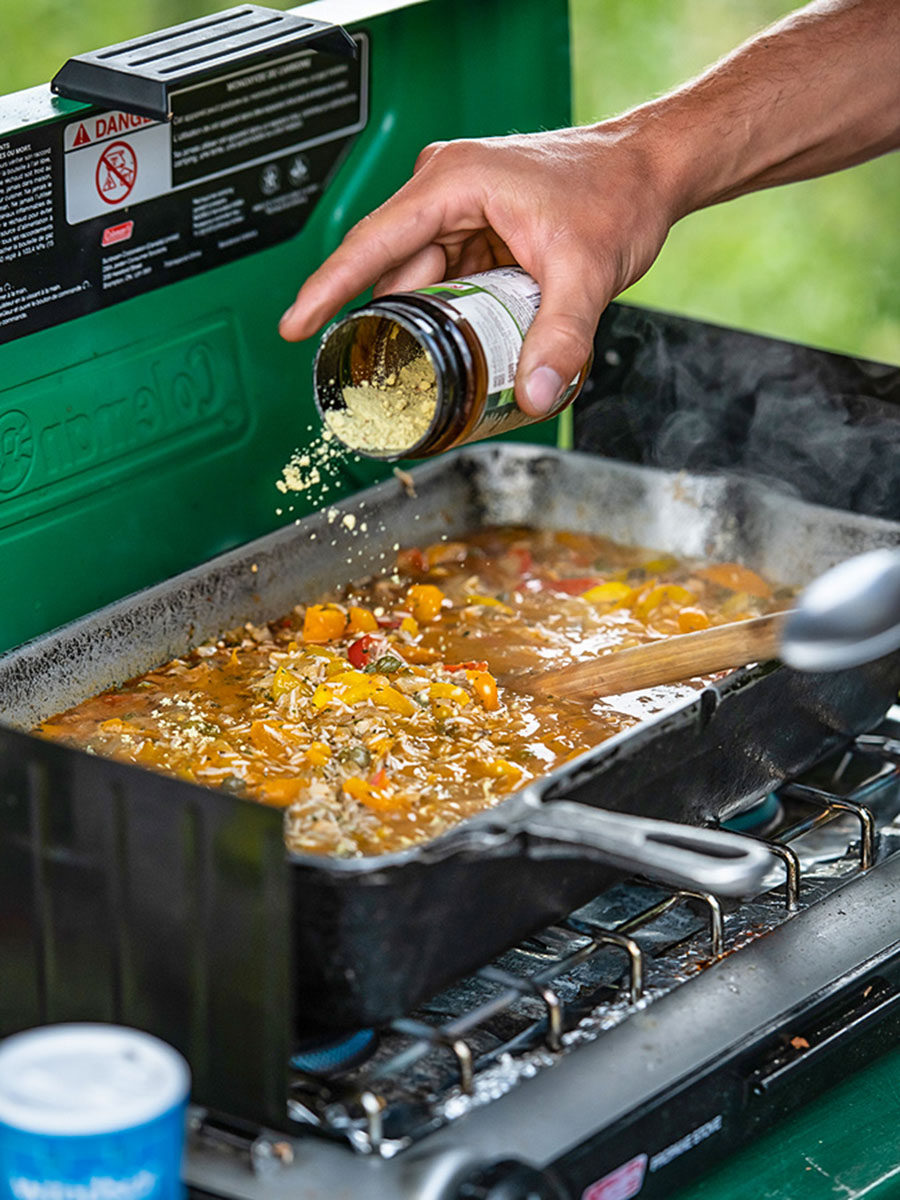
394	233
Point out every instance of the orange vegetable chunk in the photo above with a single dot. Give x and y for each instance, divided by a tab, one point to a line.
323	623
425	600
690	620
484	685
736	578
361	620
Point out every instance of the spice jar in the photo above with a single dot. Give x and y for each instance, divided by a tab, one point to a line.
415	373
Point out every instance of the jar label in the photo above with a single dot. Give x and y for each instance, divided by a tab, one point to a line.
500	305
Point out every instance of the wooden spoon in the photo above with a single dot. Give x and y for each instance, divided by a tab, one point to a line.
670	660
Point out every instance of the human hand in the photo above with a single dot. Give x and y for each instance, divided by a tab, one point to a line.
584	211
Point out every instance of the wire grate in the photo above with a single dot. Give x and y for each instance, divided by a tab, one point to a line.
574	980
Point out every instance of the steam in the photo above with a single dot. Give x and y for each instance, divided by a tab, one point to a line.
680	394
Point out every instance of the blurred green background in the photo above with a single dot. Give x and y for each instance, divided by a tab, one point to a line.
818	262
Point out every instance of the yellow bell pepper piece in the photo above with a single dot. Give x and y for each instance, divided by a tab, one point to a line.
449	691
488	602
372	797
323	652
353	693
499	768
607	593
285	681
410	625
318	754
649	602
389	697
342	678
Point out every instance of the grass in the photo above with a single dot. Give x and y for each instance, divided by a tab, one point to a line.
816	262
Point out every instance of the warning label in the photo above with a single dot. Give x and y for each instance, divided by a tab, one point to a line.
106	170
240	167
102	128
253	115
26	190
116	173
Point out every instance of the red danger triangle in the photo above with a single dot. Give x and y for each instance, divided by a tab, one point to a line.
81	137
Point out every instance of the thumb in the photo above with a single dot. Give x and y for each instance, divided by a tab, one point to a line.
561	338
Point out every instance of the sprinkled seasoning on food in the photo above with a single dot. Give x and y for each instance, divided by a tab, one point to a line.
387	712
316	469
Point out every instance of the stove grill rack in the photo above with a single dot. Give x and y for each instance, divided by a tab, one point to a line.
591	971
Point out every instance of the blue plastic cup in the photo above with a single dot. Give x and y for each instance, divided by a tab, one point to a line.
91	1112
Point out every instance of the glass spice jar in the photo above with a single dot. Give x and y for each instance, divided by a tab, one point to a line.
415	373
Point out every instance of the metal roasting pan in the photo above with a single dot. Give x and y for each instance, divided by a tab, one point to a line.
371	938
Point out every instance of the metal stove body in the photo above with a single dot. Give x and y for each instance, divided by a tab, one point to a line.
650	1034
625	1050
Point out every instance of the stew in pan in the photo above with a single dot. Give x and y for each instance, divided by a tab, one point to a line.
382	715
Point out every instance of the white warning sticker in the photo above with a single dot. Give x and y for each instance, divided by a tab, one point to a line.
101	127
113	160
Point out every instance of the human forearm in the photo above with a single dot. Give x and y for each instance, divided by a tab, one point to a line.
586	211
817	92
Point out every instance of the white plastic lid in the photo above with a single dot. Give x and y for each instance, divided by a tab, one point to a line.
85	1079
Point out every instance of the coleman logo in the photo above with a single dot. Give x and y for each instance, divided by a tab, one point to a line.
621	1184
103	1187
117	233
16	449
99	422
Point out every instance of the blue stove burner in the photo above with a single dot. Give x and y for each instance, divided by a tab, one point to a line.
761	818
332	1056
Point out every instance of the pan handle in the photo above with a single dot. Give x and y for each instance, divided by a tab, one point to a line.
708	860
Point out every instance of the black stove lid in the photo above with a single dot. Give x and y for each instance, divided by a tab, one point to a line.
140	75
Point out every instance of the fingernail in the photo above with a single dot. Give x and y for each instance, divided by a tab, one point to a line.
284	316
543	388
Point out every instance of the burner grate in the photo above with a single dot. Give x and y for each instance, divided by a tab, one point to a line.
579	978
574	981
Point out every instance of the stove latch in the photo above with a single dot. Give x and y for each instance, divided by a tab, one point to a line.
142	75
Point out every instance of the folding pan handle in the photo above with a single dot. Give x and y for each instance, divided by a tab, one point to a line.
708	860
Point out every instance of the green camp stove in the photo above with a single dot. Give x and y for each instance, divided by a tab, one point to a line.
160	203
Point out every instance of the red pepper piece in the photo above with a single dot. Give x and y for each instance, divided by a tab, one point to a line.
360	651
574	586
412	561
472	665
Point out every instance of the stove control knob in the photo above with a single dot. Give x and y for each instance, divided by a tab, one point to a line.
508	1179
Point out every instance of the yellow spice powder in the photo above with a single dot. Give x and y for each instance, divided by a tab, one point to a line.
391	414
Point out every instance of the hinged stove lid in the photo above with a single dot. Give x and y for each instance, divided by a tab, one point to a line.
140	76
